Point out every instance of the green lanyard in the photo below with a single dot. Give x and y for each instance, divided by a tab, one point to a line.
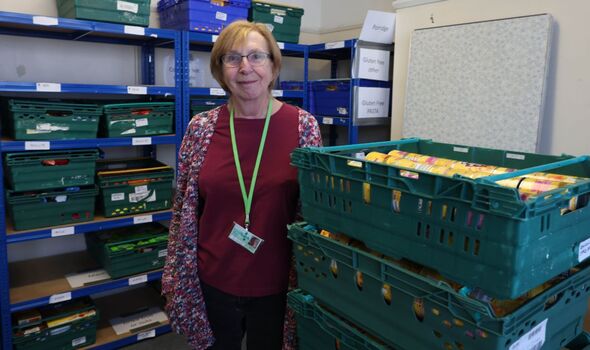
248	198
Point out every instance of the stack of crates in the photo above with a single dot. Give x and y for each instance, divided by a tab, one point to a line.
57	186
283	21
208	16
420	260
138	119
132	12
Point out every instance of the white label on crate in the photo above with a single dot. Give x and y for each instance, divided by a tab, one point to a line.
146	335
515	156
62	231
58	298
360	155
162	253
48	87
61	198
216	92
79	341
141	189
139	197
532	340
117	196
138	321
281	45
354	163
81	279
45	21
214	38
461	149
142	219
328	120
37	145
584	250
222	16
141	141
141	122
334	45
137	90
279	19
138	280
127	6
277	93
134	30
373	102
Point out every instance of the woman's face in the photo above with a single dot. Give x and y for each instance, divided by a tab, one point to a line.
247	81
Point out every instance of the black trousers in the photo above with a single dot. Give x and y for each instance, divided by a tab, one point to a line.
230	316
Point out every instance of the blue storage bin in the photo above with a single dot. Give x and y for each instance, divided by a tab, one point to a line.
292	85
201	15
331	97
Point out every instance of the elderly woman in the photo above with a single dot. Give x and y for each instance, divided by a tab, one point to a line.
229	258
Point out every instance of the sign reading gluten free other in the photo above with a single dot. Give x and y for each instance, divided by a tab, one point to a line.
373	64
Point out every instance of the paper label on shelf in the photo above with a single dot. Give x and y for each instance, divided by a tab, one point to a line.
277	93
378	27
48	87
78	341
146	335
137	90
216	92
81	279
372	102
279	19
62	231
141	189
373	64
45	21
584	250
151	317
214	38
281	45
117	196
58	298
127	6
138	280
37	145
163	253
141	122
142	219
334	45
134	30
222	16
141	141
515	156
328	120
533	339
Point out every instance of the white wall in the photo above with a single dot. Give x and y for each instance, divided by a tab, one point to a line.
565	122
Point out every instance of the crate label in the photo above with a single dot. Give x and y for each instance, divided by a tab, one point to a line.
79	341
277	93
515	156
58	298
141	189
146	335
141	122
141	141
48	87
61	199
461	149
127	6
138	280
134	30
354	163
222	16
216	92
138	321
163	253
279	19
142	219
214	38
281	45
137	90
62	231
328	120
117	197
81	279
584	250
37	145
334	45
372	102
45	21
532	340
138	197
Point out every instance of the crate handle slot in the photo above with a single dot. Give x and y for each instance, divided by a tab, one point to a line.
58	113
538	168
142	111
55	162
138	182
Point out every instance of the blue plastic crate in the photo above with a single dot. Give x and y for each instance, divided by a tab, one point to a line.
331	97
292	85
201	16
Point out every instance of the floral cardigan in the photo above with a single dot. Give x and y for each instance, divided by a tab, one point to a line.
180	281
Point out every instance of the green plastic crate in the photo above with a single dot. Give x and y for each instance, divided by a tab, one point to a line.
39	120
129	250
320	329
41	170
284	22
475	232
444	319
52	333
29	210
203	104
134	186
133	12
138	119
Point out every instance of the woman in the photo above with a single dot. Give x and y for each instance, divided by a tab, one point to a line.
228	263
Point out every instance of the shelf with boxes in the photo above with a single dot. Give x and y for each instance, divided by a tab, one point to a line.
34	156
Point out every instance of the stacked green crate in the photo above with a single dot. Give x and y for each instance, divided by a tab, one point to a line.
67	325
134	186
138	119
283	21
129	250
133	12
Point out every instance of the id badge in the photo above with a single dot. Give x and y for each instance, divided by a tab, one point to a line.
245	238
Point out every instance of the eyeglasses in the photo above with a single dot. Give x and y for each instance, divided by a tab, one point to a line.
254	58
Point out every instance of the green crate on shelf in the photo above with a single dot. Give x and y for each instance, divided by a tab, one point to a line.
411	311
29	120
199	105
283	21
129	250
66	325
29	210
138	119
41	170
475	232
320	329
132	186
133	12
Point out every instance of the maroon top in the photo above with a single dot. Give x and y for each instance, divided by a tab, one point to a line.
223	263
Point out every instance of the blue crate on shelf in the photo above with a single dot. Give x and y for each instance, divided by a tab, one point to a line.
207	16
331	97
292	85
